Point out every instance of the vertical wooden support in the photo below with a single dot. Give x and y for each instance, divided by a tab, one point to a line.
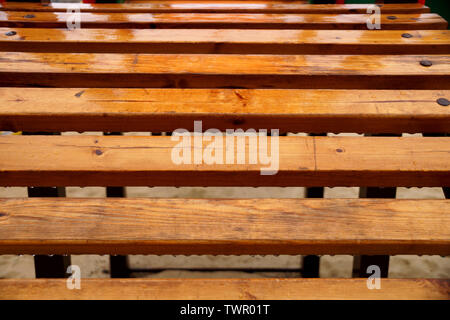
311	266
51	266
118	264
54	266
119	267
311	263
360	263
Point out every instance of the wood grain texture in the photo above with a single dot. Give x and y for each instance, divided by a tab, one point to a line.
418	21
148	161
214	7
224	71
227	226
159	110
226	289
226	41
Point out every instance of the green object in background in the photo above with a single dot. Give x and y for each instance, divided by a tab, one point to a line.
441	7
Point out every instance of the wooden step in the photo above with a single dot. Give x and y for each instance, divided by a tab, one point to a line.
419	21
226	41
225	71
158	161
224	226
159	110
226	289
196	6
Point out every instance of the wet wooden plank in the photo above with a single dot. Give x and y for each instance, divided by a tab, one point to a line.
226	41
224	226
229	289
158	110
168	161
225	71
418	21
213	7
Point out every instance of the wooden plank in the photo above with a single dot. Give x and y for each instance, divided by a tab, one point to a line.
159	110
224	226
419	21
213	7
151	161
226	41
224	71
226	289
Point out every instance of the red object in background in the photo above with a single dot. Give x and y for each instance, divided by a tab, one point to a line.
340	1
422	1
88	1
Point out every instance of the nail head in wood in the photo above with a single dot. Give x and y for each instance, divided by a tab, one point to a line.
443	102
407	35
11	33
426	63
29	16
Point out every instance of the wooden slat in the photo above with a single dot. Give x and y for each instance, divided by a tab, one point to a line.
237	1
226	41
147	161
157	110
226	289
230	226
222	71
214	7
417	21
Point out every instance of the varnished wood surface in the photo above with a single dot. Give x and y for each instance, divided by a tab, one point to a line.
157	110
226	289
147	161
212	226
226	41
227	226
418	21
224	71
214	7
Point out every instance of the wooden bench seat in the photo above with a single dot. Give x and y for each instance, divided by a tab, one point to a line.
227	226
148	161
421	21
226	289
214	7
87	109
225	41
224	71
160	66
